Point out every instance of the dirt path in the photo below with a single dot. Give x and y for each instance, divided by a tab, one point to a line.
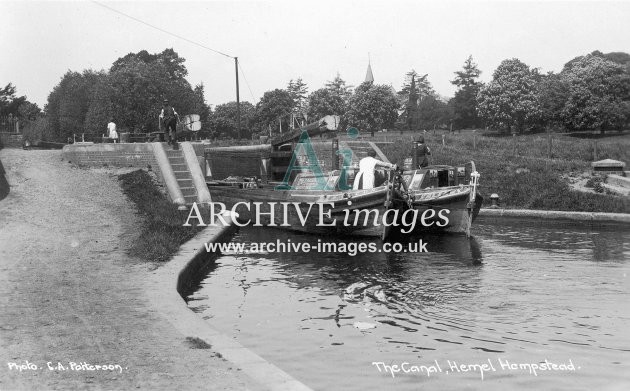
69	293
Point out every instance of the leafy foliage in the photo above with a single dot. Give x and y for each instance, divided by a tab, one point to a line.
432	112
509	102
274	108
130	94
338	88
298	91
423	87
69	101
325	102
552	96
223	120
464	103
598	95
372	107
17	105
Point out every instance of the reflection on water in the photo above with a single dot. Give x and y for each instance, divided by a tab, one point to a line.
522	291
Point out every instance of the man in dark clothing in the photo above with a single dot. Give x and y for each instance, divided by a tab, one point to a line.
422	151
169	118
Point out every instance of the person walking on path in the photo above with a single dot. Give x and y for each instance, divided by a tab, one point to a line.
169	119
367	166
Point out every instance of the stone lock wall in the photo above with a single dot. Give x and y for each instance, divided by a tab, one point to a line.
115	155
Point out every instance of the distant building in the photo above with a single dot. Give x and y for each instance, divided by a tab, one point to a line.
368	75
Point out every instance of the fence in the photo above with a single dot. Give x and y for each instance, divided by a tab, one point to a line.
9	124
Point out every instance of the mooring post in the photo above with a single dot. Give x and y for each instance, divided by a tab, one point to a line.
414	156
335	155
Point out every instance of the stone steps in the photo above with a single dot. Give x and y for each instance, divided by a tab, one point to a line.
182	175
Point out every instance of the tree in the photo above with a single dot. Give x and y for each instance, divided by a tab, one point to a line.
372	107
598	94
200	106
509	102
621	58
464	103
131	94
324	102
552	93
29	111
173	64
223	120
139	82
19	106
432	112
101	109
413	91
423	87
298	91
273	109
69	101
8	99
338	88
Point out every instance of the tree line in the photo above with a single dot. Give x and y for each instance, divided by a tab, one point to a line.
591	92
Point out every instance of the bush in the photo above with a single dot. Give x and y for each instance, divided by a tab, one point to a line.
37	130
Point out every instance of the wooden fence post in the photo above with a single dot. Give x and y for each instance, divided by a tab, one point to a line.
549	144
474	140
515	147
595	151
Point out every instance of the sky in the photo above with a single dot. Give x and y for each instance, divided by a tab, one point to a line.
276	41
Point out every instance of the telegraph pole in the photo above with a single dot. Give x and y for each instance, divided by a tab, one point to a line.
238	102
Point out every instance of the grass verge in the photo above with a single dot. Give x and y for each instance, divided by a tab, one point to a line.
162	232
519	171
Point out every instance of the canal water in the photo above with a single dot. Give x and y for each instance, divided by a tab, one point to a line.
469	314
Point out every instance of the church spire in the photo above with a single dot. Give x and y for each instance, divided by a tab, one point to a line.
369	77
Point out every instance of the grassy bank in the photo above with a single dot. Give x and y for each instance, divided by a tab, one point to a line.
162	232
519	171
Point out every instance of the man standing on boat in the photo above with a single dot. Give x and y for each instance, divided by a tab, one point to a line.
169	118
367	167
421	152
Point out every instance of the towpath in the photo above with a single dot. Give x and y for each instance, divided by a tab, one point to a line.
69	293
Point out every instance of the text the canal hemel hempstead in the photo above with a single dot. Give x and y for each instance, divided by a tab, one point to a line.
455	367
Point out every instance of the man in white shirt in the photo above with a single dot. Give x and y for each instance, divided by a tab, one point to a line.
367	166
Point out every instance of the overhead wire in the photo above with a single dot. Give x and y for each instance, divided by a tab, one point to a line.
180	37
161	29
246	82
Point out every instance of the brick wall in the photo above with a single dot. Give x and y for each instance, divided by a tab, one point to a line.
10	140
117	155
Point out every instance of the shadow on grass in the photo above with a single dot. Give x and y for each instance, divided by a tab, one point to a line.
162	232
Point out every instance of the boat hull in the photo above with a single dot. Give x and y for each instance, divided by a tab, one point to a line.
311	212
355	212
